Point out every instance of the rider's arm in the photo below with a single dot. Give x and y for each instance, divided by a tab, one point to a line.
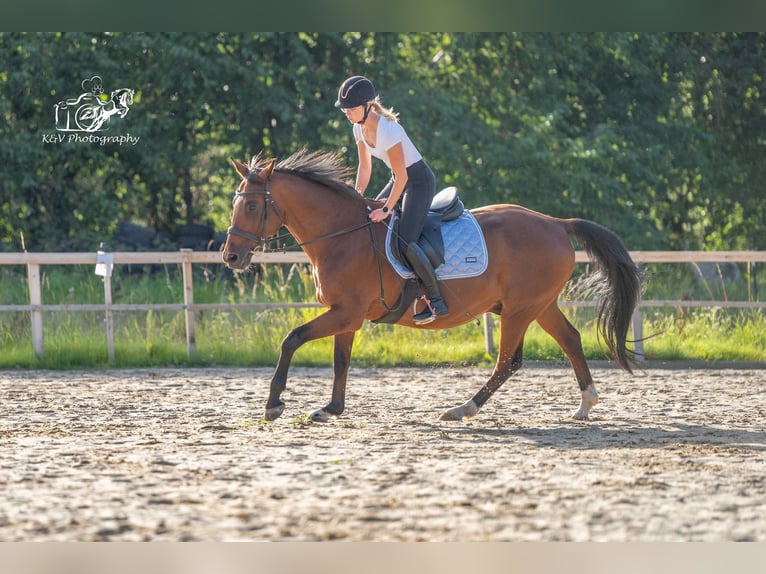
396	157
364	170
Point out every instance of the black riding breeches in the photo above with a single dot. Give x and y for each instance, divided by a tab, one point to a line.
414	202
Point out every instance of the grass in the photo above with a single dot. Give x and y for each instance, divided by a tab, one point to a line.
709	334
252	338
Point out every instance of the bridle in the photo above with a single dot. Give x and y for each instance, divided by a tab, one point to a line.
269	203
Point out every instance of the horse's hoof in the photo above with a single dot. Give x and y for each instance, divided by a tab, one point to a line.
589	400
273	413
320	416
468	409
581	414
455	414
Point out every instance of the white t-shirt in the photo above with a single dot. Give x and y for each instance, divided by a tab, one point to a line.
388	135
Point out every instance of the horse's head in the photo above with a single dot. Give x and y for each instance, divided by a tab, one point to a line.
254	216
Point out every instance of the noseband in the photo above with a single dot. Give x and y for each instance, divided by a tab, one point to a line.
268	202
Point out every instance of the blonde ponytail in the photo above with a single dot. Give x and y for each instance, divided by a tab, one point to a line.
387	113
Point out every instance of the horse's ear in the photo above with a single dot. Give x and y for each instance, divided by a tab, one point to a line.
241	168
268	169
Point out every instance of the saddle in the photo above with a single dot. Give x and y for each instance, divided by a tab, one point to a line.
445	206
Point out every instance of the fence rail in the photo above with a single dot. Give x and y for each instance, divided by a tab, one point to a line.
186	258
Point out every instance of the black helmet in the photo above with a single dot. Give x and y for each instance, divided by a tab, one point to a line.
355	91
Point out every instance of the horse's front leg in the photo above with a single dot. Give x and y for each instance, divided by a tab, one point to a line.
341	363
290	344
332	322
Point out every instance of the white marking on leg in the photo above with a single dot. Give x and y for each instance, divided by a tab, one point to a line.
588	401
468	409
320	416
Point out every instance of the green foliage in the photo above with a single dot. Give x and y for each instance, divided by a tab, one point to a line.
659	136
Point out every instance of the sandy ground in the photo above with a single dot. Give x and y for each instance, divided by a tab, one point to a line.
181	454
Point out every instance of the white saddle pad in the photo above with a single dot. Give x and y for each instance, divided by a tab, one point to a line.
465	251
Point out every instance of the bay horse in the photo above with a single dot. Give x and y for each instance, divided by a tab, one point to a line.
530	259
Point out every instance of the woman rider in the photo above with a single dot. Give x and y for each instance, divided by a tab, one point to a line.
412	186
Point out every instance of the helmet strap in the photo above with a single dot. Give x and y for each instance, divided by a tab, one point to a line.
366	113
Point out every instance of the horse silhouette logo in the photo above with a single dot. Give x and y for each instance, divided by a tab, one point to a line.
91	111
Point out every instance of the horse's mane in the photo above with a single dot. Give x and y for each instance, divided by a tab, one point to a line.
326	168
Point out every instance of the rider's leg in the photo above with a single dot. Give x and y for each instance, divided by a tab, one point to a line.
416	201
421	265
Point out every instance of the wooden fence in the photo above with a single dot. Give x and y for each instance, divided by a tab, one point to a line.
186	258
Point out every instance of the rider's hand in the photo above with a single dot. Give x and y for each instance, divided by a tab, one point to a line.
378	215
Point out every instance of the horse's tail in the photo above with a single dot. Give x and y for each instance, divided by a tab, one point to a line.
617	280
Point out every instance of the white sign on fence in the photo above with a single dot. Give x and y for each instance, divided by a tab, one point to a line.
104	264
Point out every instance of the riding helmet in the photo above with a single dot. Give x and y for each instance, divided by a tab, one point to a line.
355	91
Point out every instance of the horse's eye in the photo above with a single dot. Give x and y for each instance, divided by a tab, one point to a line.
252	207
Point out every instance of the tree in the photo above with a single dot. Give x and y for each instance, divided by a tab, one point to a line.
658	136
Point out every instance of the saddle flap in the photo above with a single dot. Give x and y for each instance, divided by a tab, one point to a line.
465	251
430	241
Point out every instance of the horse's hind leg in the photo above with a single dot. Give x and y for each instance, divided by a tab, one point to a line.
552	320
511	337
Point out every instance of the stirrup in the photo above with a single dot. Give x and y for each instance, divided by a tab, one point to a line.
431	312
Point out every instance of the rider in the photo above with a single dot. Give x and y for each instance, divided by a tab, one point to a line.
412	186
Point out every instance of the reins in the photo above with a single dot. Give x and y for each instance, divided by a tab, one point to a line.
333	234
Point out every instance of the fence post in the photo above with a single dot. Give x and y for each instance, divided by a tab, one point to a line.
35	298
191	334
104	267
638	335
489	340
109	318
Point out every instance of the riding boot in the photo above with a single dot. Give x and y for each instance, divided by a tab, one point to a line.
435	305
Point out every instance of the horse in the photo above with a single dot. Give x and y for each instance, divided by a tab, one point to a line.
530	259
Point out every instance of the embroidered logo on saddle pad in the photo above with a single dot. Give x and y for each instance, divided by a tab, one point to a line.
465	251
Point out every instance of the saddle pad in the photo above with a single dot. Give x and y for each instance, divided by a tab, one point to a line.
465	252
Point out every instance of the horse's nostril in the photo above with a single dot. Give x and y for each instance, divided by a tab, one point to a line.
230	257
